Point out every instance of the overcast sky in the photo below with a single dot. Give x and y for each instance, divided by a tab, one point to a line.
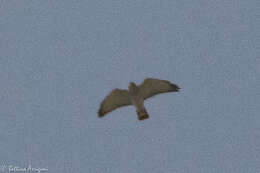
59	59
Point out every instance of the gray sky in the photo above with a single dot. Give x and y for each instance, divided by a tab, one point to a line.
59	59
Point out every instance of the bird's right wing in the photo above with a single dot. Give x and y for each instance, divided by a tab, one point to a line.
116	98
151	87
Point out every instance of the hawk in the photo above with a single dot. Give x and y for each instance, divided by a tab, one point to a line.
135	95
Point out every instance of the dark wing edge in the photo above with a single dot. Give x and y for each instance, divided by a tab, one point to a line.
151	87
115	99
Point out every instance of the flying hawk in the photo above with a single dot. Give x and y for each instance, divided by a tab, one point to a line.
135	95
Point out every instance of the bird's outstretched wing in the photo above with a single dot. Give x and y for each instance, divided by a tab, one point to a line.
114	100
151	87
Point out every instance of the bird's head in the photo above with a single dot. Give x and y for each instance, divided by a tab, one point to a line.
131	85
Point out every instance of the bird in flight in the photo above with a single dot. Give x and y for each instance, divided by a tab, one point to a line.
135	95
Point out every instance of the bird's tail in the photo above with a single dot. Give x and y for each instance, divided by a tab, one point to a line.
142	114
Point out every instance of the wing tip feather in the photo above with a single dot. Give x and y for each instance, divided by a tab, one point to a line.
101	113
175	88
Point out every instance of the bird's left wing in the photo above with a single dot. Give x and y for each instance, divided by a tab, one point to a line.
116	98
151	87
